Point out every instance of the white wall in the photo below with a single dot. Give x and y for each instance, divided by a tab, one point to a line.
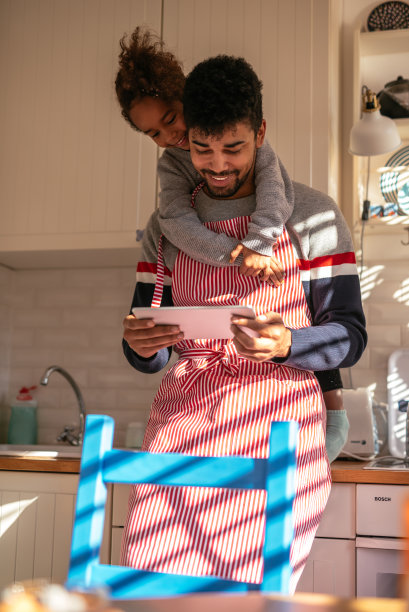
287	42
5	339
73	318
70	166
385	276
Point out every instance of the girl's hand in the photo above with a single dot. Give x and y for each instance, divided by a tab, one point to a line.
268	268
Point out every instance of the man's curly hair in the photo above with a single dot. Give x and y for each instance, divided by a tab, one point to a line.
146	69
220	92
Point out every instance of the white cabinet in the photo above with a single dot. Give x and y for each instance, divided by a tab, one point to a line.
293	45
331	564
330	568
119	511
76	180
379	542
36	518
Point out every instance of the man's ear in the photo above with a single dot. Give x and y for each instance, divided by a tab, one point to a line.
261	134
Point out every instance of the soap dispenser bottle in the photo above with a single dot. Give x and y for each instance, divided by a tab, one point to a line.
23	418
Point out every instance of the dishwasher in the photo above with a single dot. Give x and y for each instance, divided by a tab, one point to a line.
379	541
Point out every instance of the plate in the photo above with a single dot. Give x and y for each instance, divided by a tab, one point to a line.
394	184
403	198
389	16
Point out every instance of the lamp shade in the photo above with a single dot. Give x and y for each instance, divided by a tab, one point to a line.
374	133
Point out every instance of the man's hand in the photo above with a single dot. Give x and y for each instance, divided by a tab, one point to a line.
274	338
269	269
146	338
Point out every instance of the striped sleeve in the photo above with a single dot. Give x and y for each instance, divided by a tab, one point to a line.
146	273
326	259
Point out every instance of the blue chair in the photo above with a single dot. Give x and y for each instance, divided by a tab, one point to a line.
101	464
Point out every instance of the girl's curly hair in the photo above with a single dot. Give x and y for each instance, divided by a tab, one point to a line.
146	69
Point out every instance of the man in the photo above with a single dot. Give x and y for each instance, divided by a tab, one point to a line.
221	396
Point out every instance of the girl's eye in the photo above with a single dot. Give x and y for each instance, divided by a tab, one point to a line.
171	120
155	135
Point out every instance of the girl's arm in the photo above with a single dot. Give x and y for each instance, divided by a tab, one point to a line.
274	202
181	225
179	221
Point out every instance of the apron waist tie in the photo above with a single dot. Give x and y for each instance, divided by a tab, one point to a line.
194	362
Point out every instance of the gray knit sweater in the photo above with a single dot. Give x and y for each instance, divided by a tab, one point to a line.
325	257
180	223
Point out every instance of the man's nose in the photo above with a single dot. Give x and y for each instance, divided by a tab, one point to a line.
218	163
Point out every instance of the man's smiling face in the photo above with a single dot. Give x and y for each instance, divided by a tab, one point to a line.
226	161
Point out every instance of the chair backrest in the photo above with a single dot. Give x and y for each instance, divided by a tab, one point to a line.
100	464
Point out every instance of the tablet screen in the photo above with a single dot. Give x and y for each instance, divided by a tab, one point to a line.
198	321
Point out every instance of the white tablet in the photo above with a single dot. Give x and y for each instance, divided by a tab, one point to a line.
198	321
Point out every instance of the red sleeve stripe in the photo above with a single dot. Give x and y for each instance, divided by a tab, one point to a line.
329	272
327	260
151	268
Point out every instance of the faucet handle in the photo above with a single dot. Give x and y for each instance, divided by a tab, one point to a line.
68	435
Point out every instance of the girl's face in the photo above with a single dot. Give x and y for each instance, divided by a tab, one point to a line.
161	121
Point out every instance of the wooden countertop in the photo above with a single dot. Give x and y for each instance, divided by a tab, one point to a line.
301	602
342	471
40	464
353	471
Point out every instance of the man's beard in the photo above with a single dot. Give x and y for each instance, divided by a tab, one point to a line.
228	191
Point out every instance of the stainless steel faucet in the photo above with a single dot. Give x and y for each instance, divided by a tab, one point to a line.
68	434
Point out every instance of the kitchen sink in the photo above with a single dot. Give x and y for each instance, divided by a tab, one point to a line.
40	450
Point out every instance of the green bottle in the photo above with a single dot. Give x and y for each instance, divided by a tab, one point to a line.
23	418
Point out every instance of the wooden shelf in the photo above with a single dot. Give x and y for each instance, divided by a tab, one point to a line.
385	42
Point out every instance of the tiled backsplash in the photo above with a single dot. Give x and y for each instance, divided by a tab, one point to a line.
385	292
72	318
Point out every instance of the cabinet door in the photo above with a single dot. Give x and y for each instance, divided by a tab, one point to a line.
116	544
289	44
338	520
36	518
75	175
330	568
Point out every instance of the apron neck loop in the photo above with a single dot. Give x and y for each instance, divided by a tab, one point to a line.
160	275
195	192
160	271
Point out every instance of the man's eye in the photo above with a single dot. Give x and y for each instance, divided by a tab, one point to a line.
200	152
233	152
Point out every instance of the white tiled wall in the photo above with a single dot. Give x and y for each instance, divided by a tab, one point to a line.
385	291
5	337
72	318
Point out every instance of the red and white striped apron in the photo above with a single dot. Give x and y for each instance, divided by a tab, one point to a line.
215	402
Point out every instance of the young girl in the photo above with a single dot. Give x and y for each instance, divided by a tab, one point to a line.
149	87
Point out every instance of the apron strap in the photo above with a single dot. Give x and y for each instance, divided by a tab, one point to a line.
160	271
195	192
160	275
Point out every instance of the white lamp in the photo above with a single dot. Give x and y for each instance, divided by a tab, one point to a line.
374	134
